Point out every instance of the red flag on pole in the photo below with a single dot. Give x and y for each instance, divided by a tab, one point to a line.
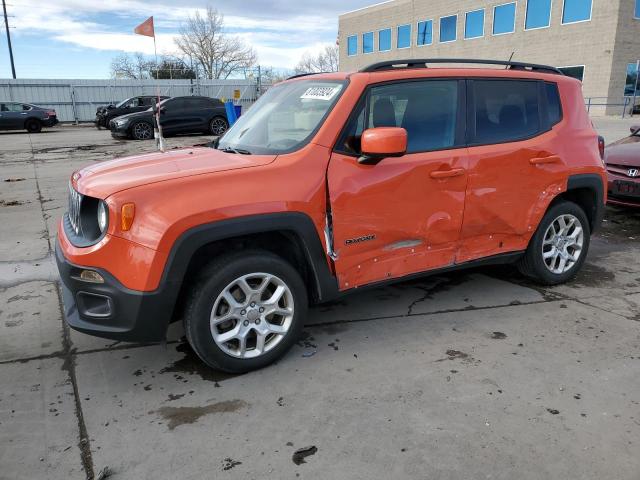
146	28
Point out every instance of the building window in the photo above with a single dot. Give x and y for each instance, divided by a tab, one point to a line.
575	11
504	18
576	72
448	27
632	80
404	36
637	10
474	24
384	40
352	45
367	42
538	14
425	32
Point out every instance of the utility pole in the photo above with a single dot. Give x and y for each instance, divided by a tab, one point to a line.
6	25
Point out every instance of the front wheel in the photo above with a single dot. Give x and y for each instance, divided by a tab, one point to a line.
245	311
559	247
218	126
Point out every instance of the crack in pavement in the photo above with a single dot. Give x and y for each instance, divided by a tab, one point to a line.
16	273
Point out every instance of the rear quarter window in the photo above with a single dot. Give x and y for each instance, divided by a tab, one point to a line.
505	110
554	105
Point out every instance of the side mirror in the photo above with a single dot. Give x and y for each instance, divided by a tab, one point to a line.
635	130
382	142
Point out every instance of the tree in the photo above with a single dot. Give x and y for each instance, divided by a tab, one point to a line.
202	38
171	67
325	61
135	66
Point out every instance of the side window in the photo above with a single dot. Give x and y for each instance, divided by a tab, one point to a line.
554	106
14	107
177	104
26	108
427	110
505	110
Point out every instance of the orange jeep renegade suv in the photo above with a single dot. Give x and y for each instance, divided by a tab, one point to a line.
332	182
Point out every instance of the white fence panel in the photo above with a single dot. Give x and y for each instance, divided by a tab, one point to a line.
77	100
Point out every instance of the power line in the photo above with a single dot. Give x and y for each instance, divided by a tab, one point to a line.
6	25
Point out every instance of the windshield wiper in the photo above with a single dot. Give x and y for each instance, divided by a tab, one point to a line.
241	151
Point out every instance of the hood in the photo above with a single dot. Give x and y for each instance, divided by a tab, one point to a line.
106	178
143	114
627	154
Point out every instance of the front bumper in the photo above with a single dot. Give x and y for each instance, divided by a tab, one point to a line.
616	198
119	131
109	309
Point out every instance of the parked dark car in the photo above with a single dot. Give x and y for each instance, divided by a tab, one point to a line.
623	169
24	116
177	115
105	114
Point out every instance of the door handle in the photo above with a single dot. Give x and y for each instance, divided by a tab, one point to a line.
22	113
545	160
452	172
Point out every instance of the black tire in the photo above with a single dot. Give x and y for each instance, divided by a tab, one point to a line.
212	280
141	131
33	126
218	126
532	263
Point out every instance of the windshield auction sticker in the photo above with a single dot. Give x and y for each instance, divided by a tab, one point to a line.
321	93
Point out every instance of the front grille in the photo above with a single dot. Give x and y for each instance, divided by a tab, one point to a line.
75	202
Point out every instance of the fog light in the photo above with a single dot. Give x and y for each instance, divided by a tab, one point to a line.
91	276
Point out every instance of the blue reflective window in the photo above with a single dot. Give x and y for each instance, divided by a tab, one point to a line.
425	32
384	40
367	42
352	45
632	79
576	11
637	11
404	36
538	14
474	24
448	28
504	19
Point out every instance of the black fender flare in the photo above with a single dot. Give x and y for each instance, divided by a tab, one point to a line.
297	223
594	183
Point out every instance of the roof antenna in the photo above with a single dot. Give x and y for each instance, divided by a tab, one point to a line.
510	58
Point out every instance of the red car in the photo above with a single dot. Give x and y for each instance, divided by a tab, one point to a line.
623	169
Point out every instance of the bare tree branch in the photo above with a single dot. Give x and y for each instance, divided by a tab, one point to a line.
325	61
202	38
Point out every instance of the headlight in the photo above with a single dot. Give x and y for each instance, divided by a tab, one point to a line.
103	216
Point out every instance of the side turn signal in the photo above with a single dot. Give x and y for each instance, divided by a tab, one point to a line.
128	212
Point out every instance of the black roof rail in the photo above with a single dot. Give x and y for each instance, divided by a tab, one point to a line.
423	63
298	75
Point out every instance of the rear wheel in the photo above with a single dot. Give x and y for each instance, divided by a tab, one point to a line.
33	126
245	311
142	131
218	126
559	247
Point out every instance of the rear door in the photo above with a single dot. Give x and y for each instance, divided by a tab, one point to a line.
404	214
199	111
516	164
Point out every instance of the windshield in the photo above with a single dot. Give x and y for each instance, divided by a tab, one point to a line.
122	103
284	118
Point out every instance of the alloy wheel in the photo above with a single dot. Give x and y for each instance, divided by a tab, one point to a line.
142	131
562	244
218	126
252	315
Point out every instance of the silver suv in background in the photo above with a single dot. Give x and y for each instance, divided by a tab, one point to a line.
24	116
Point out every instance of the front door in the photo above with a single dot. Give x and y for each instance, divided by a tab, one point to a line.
173	116
404	214
12	116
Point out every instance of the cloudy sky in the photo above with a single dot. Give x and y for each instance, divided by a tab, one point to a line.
78	38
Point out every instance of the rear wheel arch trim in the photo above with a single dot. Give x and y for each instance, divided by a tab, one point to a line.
325	285
594	183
